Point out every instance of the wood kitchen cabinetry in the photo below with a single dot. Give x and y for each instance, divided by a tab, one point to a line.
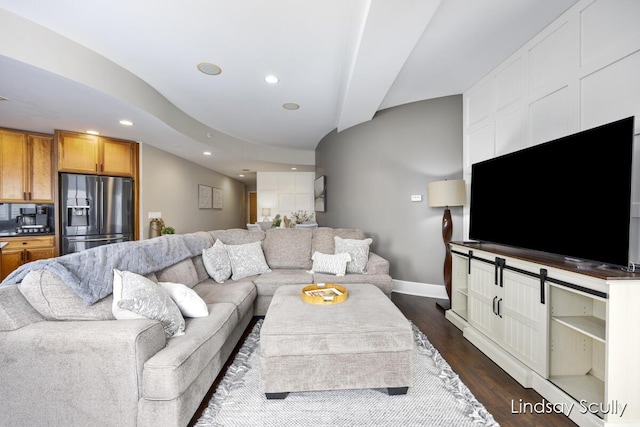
89	154
26	167
567	330
18	251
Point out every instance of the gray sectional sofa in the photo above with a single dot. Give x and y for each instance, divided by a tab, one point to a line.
63	362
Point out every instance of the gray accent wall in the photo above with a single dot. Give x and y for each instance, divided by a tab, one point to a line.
372	170
169	184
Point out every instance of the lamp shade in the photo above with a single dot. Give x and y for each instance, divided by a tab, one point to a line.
447	193
266	211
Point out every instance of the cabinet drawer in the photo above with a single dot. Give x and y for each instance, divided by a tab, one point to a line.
28	242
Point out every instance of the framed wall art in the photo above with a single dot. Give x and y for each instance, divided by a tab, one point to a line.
320	194
205	197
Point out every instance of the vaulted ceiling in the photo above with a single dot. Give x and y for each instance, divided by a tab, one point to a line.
87	65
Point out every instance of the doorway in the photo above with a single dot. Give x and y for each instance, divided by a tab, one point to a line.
253	207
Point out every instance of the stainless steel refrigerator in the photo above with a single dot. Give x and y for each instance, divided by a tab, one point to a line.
95	211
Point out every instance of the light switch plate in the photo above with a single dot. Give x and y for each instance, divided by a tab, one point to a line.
416	197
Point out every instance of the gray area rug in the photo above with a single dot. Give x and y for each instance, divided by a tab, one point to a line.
438	398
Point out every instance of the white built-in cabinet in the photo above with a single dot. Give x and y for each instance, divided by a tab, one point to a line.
285	192
567	330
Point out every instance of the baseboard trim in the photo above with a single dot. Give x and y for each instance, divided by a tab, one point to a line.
419	289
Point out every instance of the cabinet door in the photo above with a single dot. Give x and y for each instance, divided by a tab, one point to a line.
11	260
484	298
13	166
525	320
41	182
77	153
116	157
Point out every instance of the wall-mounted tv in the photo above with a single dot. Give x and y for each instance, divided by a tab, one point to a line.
570	196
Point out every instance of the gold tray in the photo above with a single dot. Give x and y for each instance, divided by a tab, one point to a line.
330	298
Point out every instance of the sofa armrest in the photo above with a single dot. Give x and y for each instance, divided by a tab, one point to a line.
377	265
76	372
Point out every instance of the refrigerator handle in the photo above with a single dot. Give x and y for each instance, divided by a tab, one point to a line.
102	202
98	206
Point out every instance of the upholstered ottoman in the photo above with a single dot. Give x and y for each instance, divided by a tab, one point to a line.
363	342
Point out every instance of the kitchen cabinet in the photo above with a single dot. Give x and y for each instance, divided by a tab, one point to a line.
27	167
565	329
89	154
18	251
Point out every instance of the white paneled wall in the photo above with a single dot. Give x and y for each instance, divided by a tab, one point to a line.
285	192
580	72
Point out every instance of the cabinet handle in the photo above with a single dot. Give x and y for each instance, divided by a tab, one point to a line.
29	195
24	195
494	304
499	308
543	278
469	265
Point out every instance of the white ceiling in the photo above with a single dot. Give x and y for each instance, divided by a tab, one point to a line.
75	65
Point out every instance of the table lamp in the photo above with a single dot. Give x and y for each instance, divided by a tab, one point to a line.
444	194
266	212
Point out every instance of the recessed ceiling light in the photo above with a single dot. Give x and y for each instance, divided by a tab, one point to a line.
93	132
126	122
241	175
207	153
294	169
209	68
271	79
290	106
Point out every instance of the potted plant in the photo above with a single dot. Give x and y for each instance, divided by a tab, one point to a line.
168	230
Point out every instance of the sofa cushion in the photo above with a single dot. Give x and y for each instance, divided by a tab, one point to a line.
323	238
288	248
246	260
187	300
382	281
332	264
181	272
55	300
267	283
241	294
359	251
238	236
216	262
170	372
15	310
201	271
140	296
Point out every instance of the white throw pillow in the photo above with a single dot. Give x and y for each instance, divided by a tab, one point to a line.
187	300
216	262
144	298
359	251
246	260
332	264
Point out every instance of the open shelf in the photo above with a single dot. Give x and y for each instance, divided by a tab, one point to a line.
581	387
588	325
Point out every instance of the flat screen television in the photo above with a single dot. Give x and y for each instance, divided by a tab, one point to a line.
570	196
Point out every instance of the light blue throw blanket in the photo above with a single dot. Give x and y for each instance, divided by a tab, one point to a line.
90	273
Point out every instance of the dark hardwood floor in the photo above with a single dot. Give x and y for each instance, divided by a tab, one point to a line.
493	387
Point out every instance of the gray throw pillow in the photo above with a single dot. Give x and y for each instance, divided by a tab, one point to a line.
359	251
216	262
246	260
143	297
331	264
